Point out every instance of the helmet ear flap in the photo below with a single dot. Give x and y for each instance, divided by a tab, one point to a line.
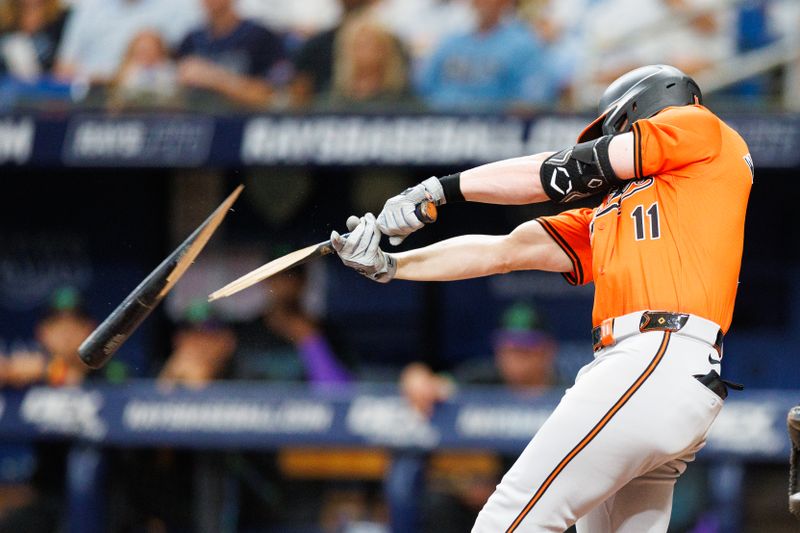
618	120
622	123
593	130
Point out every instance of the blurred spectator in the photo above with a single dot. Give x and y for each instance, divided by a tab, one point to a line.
524	359
283	345
58	334
313	64
232	57
201	349
38	501
690	34
297	19
499	64
286	343
459	484
559	24
147	75
24	367
370	70
422	24
706	35
98	33
31	33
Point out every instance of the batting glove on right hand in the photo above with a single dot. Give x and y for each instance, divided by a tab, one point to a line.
398	220
360	250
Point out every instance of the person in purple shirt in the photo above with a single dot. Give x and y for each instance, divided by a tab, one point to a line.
232	57
285	343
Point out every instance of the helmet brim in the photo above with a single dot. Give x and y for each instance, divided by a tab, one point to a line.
593	130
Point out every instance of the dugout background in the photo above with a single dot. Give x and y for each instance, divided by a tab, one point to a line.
102	229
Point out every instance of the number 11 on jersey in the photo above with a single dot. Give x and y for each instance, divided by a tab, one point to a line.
638	216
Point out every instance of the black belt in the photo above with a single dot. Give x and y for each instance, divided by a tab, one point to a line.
603	335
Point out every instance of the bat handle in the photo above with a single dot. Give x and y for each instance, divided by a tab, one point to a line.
426	212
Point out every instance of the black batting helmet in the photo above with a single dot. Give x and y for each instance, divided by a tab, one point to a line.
640	93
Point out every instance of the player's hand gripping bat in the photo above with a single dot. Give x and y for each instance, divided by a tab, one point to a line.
104	341
793	425
425	212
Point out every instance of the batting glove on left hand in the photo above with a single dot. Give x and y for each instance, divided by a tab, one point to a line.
398	218
360	250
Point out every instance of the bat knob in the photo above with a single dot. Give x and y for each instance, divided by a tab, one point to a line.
426	212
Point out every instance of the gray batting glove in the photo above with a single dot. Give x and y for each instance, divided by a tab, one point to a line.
361	250
398	219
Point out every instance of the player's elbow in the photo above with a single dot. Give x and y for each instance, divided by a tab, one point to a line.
504	266
528	247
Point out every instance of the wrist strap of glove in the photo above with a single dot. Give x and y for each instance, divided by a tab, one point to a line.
451	186
386	274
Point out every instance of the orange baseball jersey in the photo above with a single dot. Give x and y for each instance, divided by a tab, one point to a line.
670	239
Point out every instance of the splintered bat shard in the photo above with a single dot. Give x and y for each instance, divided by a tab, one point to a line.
426	212
104	341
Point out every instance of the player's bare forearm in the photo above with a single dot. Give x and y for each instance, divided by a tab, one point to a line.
507	182
464	257
528	247
517	181
583	170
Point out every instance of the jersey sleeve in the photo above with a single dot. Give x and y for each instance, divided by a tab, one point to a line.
570	230
674	139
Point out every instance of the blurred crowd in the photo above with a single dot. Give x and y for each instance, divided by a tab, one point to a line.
285	343
363	55
326	490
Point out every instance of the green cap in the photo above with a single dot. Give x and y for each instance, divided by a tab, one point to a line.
198	311
65	299
521	317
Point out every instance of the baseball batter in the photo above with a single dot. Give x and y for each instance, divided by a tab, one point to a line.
663	249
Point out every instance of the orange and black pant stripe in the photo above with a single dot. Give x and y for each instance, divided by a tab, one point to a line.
593	433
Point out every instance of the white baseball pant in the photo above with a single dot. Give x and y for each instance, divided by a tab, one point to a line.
608	456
